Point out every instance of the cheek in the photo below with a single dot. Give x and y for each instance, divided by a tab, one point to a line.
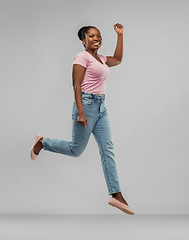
89	41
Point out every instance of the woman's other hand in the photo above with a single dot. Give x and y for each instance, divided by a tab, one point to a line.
118	28
82	120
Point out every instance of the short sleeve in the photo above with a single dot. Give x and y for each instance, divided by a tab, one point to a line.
104	58
81	60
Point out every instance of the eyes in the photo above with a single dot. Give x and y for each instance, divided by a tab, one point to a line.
92	35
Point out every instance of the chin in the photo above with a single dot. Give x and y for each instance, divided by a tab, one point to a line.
95	48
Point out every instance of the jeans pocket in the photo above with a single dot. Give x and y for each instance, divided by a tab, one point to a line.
87	100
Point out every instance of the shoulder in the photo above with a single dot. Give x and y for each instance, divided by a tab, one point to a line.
81	59
82	54
104	58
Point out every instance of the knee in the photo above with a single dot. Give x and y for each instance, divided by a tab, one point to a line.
76	152
107	149
108	146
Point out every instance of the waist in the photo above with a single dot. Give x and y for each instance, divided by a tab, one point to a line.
93	96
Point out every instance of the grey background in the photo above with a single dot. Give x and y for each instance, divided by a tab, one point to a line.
147	99
85	227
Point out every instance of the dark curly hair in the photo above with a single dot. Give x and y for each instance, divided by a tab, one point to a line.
82	31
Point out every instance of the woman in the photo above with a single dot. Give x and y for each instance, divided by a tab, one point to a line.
89	113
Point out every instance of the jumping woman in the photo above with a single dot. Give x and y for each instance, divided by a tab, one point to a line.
89	114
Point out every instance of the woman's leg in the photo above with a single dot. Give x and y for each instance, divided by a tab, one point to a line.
103	137
80	136
74	148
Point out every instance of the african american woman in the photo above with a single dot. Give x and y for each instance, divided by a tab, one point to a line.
89	113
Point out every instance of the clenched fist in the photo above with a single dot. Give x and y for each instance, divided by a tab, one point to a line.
118	28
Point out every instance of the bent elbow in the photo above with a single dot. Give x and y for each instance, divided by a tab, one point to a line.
118	61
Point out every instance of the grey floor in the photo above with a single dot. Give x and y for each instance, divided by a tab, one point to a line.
97	227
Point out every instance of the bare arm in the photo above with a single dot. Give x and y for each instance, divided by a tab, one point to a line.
118	54
77	78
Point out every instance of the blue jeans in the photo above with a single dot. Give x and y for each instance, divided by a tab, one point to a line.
97	123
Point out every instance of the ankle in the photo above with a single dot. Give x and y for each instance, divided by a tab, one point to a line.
117	195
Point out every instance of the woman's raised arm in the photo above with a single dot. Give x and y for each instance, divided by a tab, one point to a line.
116	59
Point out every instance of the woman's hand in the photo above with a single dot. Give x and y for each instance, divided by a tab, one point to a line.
118	28
82	120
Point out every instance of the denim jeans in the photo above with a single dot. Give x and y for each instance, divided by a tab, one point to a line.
97	123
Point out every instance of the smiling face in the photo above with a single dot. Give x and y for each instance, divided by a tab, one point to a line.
93	39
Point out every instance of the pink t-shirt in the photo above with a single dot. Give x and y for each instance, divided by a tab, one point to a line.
95	74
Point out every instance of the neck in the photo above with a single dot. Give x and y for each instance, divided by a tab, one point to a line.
93	52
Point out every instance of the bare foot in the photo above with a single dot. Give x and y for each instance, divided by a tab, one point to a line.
120	198
38	146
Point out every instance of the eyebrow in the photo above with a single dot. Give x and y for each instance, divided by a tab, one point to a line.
93	33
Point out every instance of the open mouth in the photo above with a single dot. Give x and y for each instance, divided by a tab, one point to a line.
96	43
